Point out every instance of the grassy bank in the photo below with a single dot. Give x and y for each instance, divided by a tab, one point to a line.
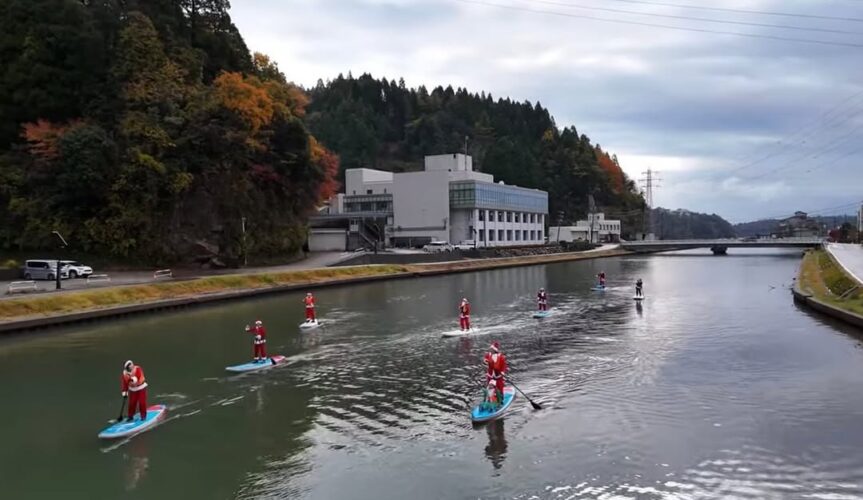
822	277
49	305
135	294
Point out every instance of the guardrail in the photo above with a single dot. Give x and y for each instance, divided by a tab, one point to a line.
163	274
97	278
21	287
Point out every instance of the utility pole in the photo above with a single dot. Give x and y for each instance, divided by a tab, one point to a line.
591	216
63	245
465	145
649	181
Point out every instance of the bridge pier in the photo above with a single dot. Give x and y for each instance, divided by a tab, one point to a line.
719	250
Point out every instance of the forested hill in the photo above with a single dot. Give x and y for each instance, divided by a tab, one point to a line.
142	129
386	125
683	224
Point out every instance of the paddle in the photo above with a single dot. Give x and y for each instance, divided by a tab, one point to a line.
536	406
122	405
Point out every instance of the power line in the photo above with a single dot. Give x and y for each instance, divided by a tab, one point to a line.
665	26
700	19
743	11
814	129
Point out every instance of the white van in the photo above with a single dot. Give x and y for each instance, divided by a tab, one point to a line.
43	269
438	246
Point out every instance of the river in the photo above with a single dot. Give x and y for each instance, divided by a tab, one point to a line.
717	387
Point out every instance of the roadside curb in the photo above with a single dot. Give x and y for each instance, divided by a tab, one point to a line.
32	323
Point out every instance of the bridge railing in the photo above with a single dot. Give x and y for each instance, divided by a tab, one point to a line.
726	241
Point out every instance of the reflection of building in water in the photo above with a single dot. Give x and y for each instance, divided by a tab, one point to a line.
137	464
495	451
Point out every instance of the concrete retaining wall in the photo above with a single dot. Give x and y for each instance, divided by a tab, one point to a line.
808	300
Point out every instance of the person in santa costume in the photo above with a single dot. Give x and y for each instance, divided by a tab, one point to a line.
496	368
309	301
259	341
464	315
134	386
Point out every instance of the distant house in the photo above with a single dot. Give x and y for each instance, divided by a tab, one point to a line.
798	226
596	229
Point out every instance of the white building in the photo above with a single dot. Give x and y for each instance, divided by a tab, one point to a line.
596	229
447	201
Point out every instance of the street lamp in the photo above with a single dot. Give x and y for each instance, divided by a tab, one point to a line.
63	245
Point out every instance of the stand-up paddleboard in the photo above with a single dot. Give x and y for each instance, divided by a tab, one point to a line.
479	414
597	288
253	366
155	414
541	314
638	298
308	325
460	333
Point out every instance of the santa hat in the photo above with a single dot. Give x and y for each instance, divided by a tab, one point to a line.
495	346
128	365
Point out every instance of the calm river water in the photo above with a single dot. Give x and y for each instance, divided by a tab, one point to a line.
717	387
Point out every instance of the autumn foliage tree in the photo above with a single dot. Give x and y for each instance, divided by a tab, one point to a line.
181	136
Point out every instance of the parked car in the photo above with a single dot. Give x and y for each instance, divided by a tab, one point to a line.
43	269
465	245
438	246
76	269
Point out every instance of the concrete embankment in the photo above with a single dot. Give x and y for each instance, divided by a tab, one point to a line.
17	315
823	286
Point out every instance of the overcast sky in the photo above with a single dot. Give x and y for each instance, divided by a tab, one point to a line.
746	127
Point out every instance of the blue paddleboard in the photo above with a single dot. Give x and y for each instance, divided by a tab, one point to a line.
541	314
598	288
253	366
155	414
478	414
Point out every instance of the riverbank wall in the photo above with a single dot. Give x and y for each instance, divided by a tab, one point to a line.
75	307
812	289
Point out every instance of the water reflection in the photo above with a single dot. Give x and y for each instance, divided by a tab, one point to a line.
137	463
495	450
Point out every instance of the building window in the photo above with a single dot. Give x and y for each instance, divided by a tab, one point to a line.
470	233
491	216
524	234
491	235
500	235
509	235
482	215
517	217
500	216
533	219
482	235
385	190
509	216
532	235
368	191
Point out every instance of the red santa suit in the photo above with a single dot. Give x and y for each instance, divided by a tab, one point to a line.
134	385
542	300
496	366
464	315
310	307
259	341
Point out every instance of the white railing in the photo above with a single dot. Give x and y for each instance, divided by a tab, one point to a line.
98	278
21	287
163	274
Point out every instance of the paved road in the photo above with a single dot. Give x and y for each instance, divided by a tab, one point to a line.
315	260
850	257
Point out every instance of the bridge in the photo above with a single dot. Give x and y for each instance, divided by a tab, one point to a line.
719	246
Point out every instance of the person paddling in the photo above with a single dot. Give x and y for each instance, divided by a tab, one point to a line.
464	314
134	386
259	341
601	276
638	287
309	301
496	368
542	300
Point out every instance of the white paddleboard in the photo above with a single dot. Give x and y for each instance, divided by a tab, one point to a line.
460	333
308	325
638	298
541	314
